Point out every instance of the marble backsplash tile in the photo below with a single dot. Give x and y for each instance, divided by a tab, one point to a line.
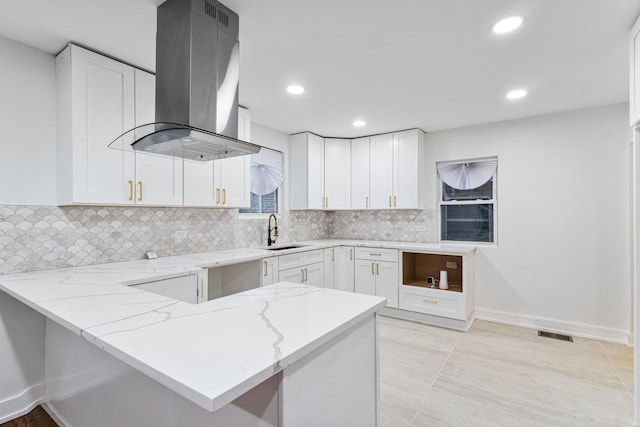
398	225
45	237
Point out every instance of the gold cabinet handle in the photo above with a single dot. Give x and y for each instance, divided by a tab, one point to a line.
140	193
394	202
217	196
350	254
366	202
333	255
430	301
130	190
302	275
224	196
372	271
327	201
266	268
201	289
374	254
377	269
390	201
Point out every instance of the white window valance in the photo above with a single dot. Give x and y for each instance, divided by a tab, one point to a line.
467	175
266	171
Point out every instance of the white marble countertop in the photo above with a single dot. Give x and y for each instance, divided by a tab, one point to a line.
210	353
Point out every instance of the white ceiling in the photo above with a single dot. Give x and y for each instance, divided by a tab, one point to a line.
432	64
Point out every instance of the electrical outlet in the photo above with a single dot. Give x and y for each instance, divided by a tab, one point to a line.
452	264
181	234
421	228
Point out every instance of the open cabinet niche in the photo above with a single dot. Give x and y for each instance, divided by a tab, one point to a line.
416	267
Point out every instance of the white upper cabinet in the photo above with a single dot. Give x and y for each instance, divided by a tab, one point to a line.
360	173
337	173
381	172
232	176
398	170
307	171
158	179
232	182
634	83
95	105
408	155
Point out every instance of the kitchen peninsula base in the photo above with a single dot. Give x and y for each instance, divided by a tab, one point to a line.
87	386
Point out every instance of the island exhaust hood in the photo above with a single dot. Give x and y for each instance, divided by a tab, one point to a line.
197	75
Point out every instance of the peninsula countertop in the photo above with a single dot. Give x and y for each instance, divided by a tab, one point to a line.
246	337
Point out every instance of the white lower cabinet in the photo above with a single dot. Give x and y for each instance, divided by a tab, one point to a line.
269	271
376	273
306	268
343	269
311	274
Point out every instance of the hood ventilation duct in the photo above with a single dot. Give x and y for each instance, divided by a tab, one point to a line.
197	76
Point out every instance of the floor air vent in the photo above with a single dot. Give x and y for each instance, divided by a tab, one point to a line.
555	336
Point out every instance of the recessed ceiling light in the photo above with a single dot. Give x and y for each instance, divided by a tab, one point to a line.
517	94
295	89
359	123
507	25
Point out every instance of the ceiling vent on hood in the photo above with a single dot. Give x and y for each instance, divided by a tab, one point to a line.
197	75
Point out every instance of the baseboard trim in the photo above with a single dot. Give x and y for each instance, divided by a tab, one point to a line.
54	414
618	336
22	403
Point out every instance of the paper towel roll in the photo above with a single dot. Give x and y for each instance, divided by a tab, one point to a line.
444	283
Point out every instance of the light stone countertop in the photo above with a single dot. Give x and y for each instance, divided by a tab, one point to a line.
210	353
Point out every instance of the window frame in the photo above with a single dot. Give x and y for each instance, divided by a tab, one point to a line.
493	201
262	215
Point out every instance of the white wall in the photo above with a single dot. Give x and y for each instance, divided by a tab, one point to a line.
27	125
563	253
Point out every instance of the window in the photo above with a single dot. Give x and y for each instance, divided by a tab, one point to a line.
467	200
266	178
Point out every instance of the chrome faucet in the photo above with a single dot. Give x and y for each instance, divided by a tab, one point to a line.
270	241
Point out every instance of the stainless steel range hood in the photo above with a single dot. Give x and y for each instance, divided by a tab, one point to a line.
197	75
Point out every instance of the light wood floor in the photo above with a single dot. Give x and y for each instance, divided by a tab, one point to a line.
499	375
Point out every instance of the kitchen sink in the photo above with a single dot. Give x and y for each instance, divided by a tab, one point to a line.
282	248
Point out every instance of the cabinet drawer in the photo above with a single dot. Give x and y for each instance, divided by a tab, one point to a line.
312	257
299	259
377	254
432	301
286	262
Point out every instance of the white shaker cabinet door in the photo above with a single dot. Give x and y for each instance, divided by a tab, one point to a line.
337	173
158	178
198	184
360	173
344	268
387	284
293	275
405	172
232	181
269	271
381	173
329	267
316	195
314	275
96	105
365	279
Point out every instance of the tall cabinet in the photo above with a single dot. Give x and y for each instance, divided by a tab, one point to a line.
96	104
